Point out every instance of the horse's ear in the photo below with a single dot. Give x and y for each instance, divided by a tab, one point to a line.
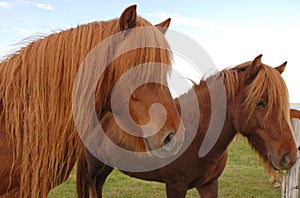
281	67
256	64
128	18
163	26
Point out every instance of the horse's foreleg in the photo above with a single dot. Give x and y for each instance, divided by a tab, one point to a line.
209	190
91	175
101	177
81	174
176	190
87	170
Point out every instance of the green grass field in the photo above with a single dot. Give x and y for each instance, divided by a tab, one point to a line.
244	176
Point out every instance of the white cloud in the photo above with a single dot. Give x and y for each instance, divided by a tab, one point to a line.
181	20
4	4
234	44
43	6
231	44
40	5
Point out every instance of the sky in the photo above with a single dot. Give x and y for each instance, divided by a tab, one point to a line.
231	32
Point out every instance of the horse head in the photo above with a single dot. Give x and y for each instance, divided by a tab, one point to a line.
137	75
260	111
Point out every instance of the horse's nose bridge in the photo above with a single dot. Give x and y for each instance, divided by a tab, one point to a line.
288	152
290	144
173	119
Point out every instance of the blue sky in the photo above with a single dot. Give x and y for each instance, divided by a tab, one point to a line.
231	32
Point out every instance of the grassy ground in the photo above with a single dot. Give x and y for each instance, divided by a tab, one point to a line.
244	176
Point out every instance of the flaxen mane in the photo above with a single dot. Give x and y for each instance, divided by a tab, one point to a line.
268	81
36	86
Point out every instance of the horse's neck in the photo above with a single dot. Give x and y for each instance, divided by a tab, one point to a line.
206	116
226	136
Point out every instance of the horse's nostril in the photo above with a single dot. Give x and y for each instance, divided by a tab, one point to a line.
169	138
285	159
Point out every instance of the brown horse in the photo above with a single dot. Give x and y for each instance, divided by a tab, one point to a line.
39	83
273	178
257	107
295	113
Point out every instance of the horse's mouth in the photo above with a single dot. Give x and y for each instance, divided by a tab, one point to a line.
272	165
167	149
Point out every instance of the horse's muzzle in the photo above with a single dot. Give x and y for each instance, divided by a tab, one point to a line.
287	160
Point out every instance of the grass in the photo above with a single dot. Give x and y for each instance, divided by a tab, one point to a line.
244	176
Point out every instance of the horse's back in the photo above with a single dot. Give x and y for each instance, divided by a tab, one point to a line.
295	113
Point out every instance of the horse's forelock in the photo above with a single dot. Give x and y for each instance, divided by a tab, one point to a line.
128	54
268	81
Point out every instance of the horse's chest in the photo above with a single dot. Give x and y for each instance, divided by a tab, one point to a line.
209	170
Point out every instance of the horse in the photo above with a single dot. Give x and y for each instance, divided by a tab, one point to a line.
273	178
256	106
295	113
43	90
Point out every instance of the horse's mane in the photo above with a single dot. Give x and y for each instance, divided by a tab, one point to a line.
267	81
36	86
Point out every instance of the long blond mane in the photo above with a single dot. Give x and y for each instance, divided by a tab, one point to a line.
267	81
36	93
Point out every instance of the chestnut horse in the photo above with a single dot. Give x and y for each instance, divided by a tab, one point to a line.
257	107
40	140
273	178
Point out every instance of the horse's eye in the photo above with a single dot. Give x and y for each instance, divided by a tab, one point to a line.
260	104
